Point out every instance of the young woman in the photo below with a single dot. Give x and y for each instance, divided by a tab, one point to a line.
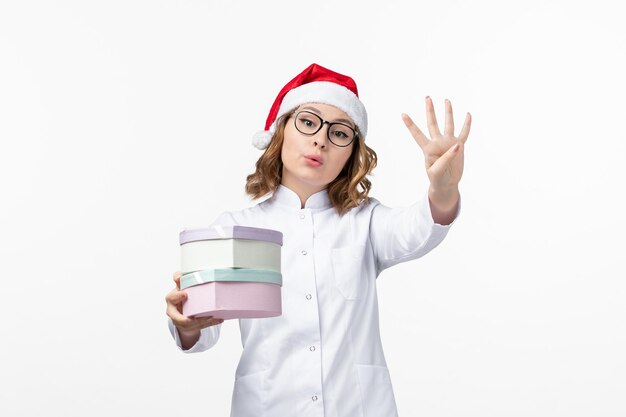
323	356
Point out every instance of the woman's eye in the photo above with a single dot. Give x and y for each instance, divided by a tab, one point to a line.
307	122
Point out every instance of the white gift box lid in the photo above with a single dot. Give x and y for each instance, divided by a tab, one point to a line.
231	232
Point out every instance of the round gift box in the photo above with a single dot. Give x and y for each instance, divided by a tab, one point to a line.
231	272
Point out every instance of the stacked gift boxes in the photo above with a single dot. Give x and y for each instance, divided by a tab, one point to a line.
231	272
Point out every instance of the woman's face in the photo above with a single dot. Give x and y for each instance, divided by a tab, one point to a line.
300	172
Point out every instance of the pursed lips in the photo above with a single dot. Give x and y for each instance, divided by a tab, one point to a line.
315	158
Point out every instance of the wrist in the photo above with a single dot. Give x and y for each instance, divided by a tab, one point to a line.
188	338
187	332
444	198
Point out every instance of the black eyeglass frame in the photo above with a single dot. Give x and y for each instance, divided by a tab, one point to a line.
330	124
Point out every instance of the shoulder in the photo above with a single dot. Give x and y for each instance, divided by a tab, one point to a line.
365	207
242	216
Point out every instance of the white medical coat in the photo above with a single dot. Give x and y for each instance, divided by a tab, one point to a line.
323	356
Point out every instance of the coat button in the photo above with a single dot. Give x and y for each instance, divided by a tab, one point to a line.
302	216
304	252
312	348
308	296
314	398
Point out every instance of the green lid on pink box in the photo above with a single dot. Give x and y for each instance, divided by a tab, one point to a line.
230	275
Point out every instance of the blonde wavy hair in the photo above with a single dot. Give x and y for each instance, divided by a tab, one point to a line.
348	190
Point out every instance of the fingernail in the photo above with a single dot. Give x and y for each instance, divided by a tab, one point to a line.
456	147
427	97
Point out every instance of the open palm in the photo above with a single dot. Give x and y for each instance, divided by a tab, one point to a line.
442	156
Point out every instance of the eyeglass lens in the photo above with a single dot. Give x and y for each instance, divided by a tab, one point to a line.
310	123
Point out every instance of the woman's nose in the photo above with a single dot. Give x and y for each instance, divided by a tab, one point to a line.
322	145
321	137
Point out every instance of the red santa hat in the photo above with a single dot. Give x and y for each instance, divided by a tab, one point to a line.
315	84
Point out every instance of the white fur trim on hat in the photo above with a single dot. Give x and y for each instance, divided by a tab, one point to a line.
261	139
326	92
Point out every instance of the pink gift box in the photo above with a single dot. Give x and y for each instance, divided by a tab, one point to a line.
230	300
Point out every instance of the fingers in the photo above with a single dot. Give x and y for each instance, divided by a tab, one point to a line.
466	128
433	127
417	134
176	297
449	127
190	324
174	300
177	317
431	119
208	321
177	276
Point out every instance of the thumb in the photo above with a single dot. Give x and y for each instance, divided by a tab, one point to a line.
440	164
178	297
177	276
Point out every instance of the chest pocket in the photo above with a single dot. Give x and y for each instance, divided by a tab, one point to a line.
348	271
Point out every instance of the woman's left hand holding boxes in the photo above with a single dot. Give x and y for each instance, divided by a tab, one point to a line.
188	328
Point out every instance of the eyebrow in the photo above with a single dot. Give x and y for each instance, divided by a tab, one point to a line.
316	111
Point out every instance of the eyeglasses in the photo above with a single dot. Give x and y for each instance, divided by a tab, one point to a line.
338	133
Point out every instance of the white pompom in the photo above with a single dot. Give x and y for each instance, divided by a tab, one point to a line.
261	139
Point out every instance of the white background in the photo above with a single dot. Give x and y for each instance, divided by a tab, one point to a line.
122	122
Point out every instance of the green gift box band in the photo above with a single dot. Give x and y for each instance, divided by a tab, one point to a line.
230	274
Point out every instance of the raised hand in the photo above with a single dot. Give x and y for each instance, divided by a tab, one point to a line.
443	153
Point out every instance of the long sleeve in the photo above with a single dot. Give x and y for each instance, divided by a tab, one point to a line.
208	338
402	234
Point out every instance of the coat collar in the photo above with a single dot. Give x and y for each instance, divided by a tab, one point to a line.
287	197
